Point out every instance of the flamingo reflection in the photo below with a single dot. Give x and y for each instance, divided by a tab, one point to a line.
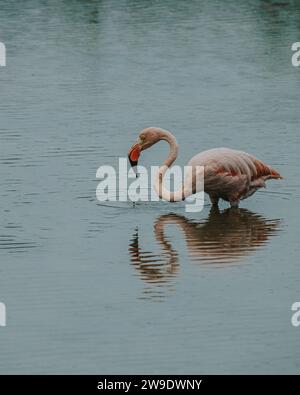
224	237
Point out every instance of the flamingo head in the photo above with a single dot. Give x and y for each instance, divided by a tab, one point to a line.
146	139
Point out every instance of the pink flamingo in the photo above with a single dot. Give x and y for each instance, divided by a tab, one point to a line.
228	174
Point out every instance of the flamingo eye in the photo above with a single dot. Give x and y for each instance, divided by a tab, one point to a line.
142	137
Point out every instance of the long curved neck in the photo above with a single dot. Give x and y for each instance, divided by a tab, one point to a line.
174	148
162	192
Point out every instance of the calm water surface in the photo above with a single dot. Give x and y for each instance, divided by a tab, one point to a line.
116	289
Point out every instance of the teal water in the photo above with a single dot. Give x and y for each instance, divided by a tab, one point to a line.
97	289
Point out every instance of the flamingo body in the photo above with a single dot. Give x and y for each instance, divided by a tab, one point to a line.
232	175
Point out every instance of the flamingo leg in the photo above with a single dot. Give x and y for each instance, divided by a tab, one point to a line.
214	199
234	203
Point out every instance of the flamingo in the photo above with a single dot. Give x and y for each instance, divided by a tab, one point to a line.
229	174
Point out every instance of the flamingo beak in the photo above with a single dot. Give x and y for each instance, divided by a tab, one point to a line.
134	153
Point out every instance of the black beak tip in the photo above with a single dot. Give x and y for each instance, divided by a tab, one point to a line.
133	163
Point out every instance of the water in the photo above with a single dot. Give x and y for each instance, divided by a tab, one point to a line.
115	289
